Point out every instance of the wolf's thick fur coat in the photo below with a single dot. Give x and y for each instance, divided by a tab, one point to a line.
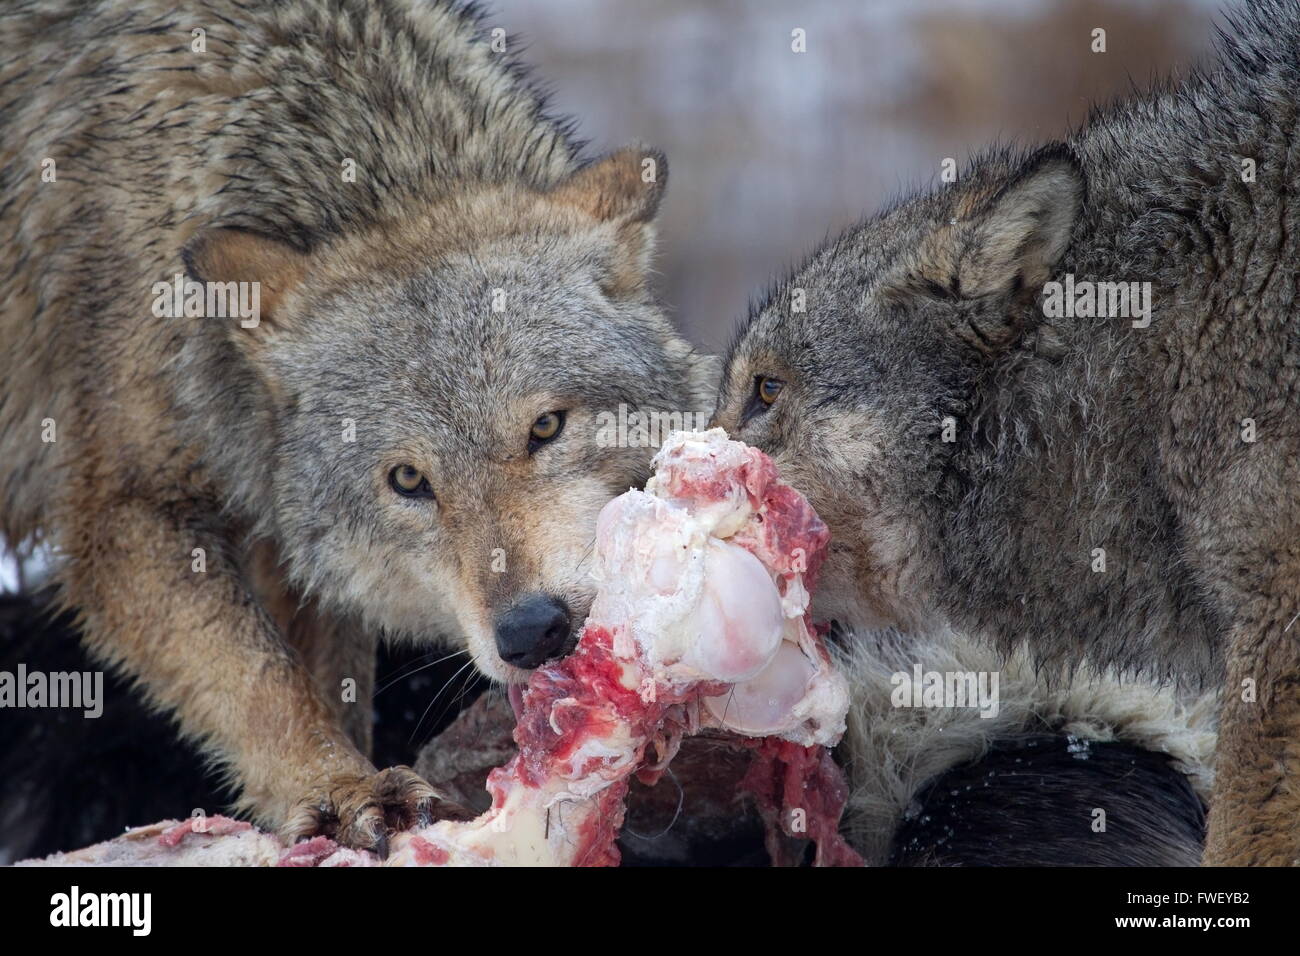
1102	488
436	270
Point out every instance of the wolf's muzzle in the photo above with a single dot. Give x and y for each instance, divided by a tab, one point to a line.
533	630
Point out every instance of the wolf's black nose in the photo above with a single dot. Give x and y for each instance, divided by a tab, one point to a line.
532	631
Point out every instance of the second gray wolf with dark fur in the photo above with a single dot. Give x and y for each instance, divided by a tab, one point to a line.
1124	488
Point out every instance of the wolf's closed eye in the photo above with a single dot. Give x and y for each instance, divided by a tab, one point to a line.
547	428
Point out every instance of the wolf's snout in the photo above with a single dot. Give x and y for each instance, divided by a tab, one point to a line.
534	630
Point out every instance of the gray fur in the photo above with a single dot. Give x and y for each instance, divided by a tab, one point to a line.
379	309
1076	434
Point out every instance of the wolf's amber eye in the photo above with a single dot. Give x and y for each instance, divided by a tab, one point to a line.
768	389
409	482
546	428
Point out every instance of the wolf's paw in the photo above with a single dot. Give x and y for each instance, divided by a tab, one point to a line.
360	810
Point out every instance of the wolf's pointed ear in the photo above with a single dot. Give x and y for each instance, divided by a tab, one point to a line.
623	186
1005	240
623	189
222	254
703	373
1020	236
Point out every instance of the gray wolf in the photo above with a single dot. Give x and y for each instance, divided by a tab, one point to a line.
1114	486
424	300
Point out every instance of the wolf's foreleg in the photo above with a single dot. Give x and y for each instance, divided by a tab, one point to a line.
337	651
1255	814
164	600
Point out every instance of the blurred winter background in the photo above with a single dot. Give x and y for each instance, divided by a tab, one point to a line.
771	150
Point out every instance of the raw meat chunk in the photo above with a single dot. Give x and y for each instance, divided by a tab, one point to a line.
699	622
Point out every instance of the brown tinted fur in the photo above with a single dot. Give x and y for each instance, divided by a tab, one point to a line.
175	434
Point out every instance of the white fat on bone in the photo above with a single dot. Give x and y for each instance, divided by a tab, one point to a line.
687	609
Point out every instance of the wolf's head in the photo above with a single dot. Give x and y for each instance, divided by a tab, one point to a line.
438	390
859	373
